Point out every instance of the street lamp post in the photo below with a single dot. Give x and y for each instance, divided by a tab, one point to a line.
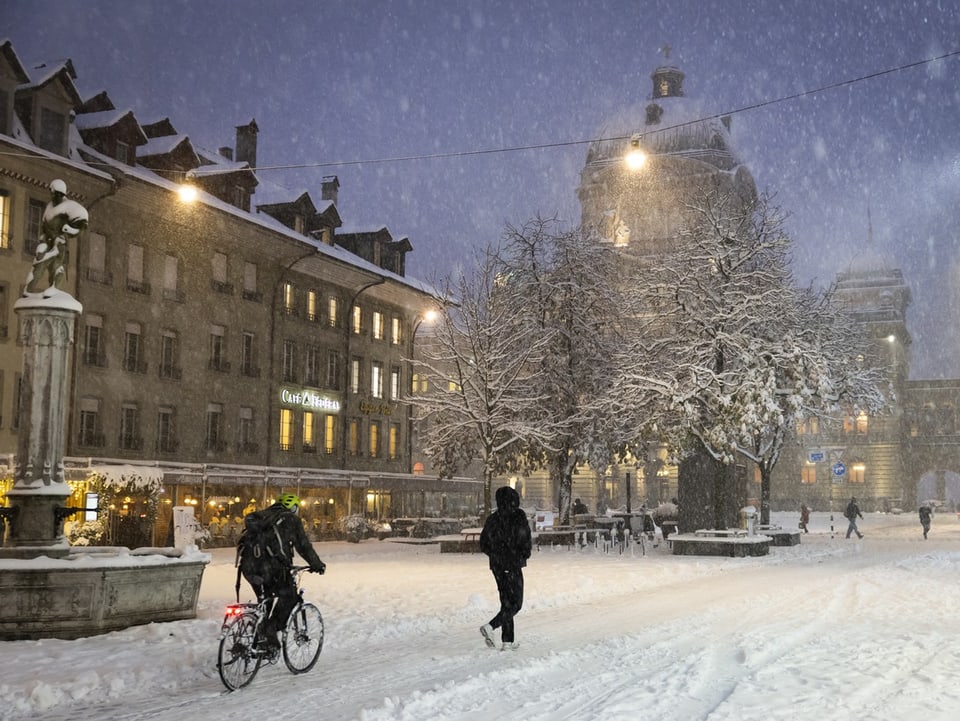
429	316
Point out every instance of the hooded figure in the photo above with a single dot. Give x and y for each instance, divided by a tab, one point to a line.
506	541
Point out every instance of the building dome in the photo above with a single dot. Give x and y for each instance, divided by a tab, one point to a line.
686	150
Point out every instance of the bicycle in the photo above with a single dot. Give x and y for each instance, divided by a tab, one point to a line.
239	659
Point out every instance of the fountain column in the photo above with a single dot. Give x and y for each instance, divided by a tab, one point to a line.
40	491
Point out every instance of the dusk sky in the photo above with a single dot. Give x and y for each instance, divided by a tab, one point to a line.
334	83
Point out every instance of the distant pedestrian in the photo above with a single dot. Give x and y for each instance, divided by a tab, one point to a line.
507	542
852	513
580	508
926	515
804	517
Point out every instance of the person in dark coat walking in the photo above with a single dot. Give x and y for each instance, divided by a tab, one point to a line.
506	540
804	517
851	514
926	514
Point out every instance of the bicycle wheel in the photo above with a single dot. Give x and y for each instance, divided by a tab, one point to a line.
237	662
303	639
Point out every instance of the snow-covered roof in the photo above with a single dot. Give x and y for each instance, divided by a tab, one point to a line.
334	252
103	119
163	145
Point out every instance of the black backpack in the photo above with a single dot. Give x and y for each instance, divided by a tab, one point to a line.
261	552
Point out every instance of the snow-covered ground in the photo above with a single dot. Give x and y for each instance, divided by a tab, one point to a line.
832	628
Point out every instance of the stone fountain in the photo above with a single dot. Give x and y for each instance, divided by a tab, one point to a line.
47	587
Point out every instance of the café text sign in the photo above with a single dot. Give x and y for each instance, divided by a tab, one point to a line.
311	400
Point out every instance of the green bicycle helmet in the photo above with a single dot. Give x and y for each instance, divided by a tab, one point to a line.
289	501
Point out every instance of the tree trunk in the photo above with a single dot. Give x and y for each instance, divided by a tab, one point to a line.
764	494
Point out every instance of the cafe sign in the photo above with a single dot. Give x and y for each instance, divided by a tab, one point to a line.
309	399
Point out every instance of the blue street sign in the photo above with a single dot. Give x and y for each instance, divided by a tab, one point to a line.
817	456
839	469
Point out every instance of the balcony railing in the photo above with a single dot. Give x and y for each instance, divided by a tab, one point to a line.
99	275
95	357
130	443
174	294
170	371
220	287
254	295
134	365
218	364
168	445
138	286
91	440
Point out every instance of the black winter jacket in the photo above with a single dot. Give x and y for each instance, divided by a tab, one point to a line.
292	535
506	537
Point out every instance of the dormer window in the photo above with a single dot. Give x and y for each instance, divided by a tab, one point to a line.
53	126
123	152
664	88
4	112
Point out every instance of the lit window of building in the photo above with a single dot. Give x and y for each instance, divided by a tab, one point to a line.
289	299
333	312
309	432
374	439
353	437
286	429
376	379
394	441
356	320
330	434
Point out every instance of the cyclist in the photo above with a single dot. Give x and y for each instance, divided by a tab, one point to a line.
268	569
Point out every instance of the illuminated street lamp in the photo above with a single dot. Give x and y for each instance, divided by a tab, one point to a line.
187	192
636	157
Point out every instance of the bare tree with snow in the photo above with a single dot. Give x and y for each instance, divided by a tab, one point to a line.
569	286
479	357
730	354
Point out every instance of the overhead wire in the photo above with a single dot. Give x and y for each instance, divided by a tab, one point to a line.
571	143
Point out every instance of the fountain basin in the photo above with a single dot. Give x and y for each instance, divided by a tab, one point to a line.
97	590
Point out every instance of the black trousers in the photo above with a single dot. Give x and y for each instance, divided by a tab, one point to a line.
286	595
510	587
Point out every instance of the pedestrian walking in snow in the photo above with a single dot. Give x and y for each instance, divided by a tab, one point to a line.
852	513
926	515
506	541
804	517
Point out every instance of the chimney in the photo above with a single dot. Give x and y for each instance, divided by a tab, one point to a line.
329	187
247	143
226	152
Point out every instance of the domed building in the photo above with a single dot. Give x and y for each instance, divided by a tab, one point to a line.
685	148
